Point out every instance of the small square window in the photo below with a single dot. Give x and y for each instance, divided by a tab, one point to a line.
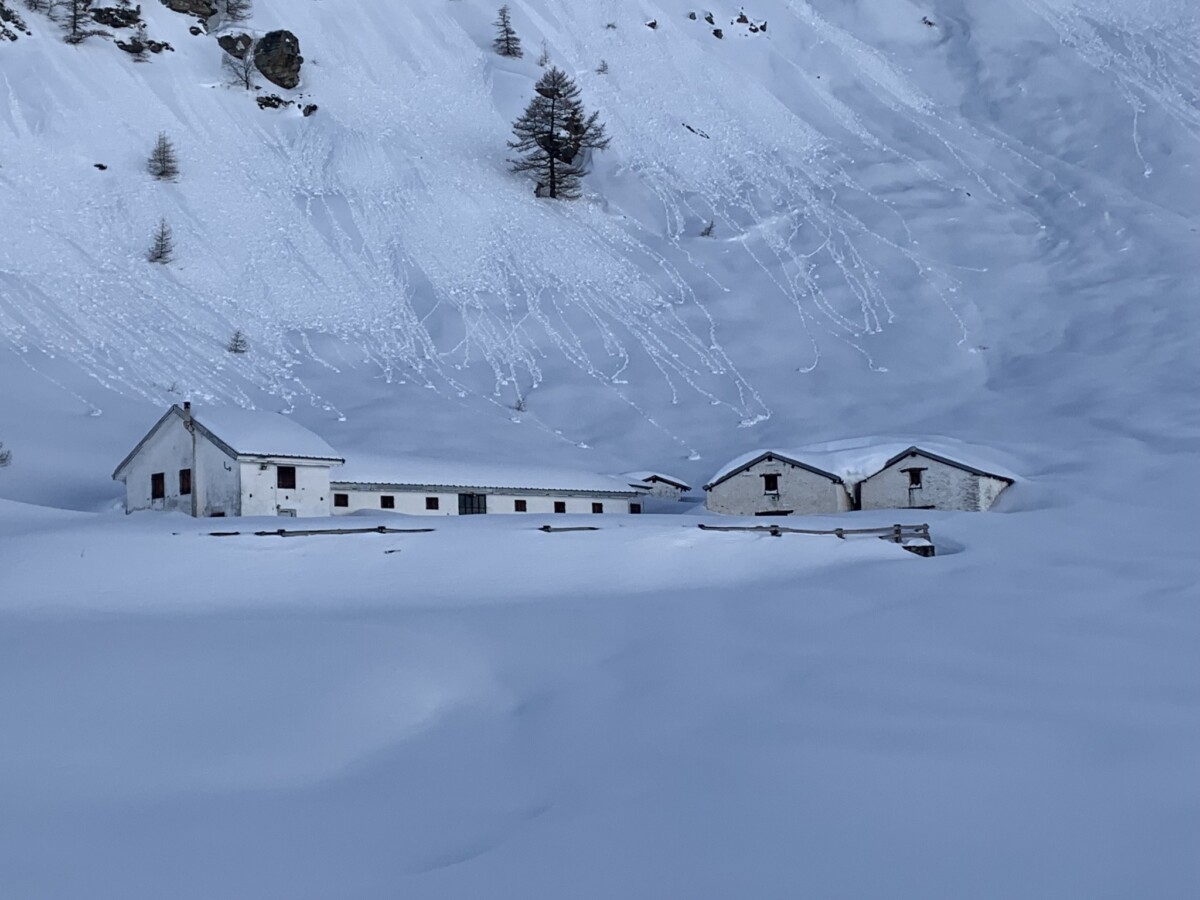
770	484
185	482
914	477
387	501
285	478
635	508
431	502
597	507
158	485
341	500
520	506
560	506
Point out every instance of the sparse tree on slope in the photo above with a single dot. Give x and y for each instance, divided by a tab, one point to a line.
238	10
163	163
163	248
506	43
5	455
76	19
238	343
240	72
555	136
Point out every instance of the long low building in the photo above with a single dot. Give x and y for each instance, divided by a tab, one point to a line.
223	461
431	487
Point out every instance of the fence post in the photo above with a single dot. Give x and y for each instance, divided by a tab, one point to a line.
775	532
896	530
840	532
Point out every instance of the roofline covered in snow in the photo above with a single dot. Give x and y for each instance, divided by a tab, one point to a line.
917	451
215	439
405	487
782	457
665	480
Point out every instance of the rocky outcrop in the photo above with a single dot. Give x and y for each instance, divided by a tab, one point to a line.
118	16
202	8
10	23
236	45
278	57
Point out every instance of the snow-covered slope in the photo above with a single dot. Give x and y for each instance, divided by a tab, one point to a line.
981	229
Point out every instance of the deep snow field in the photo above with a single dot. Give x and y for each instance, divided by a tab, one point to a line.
984	229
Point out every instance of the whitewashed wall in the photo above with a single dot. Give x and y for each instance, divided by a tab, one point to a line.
942	487
168	451
801	491
413	503
261	497
215	480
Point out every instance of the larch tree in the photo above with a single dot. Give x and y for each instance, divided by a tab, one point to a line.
239	10
163	163
506	43
555	137
162	250
239	71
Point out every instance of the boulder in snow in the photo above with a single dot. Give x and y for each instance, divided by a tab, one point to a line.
278	57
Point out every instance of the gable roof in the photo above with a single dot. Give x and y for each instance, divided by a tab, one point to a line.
637	478
917	451
245	432
423	473
747	460
856	459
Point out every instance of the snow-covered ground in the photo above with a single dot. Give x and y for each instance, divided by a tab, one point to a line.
980	230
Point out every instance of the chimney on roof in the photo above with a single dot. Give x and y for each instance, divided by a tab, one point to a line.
187	411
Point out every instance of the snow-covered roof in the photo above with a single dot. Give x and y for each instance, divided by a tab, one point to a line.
640	477
255	432
414	471
856	459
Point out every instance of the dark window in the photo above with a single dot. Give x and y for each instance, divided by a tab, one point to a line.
472	504
285	477
597	507
770	484
431	502
387	501
341	499
158	485
185	482
560	506
520	506
217	513
635	508
914	477
775	512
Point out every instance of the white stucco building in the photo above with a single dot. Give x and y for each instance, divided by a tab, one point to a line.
228	462
916	478
428	487
656	484
773	483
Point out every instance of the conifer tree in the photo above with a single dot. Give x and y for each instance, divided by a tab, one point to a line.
555	137
163	163
237	342
238	10
506	43
5	455
163	248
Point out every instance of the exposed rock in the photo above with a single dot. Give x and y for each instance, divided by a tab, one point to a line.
272	101
309	109
118	16
10	23
202	8
196	30
236	45
278	57
100	166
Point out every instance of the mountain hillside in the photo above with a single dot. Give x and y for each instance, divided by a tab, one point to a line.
914	225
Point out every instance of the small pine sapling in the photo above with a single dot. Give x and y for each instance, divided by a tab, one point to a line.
545	57
162	250
237	342
5	455
602	69
506	43
163	162
709	228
